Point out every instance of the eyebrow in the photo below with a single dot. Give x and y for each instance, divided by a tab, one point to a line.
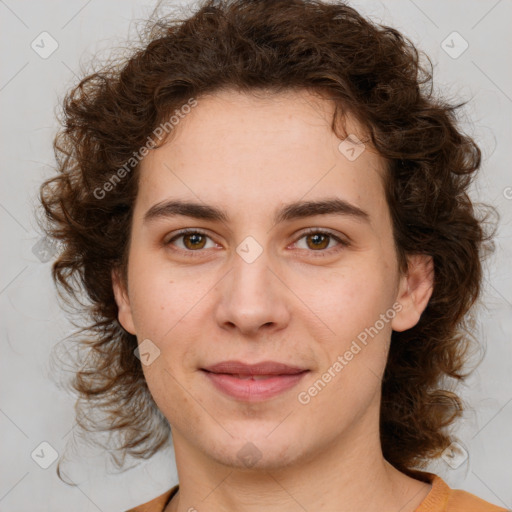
291	211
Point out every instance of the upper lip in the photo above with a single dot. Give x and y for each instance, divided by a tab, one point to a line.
263	368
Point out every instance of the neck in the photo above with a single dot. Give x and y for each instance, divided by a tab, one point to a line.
348	474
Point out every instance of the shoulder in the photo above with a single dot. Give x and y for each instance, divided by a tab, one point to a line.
443	498
157	504
462	501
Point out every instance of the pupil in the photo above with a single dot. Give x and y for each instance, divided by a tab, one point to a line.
319	240
194	240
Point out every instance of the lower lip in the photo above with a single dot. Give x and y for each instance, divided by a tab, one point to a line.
250	390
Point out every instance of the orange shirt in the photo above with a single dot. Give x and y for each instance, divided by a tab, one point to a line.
441	498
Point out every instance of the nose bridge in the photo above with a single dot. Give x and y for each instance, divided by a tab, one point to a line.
253	296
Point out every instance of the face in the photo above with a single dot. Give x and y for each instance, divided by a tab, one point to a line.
290	260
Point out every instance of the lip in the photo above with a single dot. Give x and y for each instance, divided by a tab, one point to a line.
236	379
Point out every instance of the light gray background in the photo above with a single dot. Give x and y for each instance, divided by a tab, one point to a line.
33	408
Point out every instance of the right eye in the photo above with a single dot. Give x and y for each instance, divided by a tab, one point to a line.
193	240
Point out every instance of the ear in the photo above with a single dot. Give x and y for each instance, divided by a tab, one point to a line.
414	291
123	302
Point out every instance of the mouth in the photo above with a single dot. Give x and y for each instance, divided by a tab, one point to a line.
253	382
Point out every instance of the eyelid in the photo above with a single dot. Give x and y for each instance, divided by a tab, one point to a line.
187	231
342	240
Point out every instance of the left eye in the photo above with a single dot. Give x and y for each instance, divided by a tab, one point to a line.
320	240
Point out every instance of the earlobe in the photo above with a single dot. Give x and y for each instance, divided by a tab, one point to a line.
123	302
415	290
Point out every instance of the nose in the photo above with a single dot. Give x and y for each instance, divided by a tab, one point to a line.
253	298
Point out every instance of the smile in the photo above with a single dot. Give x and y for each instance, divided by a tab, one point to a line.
253	388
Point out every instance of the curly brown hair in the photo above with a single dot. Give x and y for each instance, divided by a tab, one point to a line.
371	72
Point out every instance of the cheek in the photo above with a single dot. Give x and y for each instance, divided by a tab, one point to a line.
350	298
354	350
161	296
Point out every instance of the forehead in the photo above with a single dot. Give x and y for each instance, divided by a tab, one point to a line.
255	151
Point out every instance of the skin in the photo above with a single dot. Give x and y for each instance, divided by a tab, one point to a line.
295	303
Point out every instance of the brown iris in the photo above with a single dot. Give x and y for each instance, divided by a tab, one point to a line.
318	243
197	241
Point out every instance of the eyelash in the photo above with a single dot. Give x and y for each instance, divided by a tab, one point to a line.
310	231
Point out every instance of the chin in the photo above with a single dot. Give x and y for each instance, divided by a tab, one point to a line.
256	451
